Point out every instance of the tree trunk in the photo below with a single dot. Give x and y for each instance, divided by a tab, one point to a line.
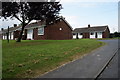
21	32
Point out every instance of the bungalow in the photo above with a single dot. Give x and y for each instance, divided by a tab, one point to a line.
60	30
91	32
13	32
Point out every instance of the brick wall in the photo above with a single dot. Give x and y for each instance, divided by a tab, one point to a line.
16	34
56	31
59	31
86	35
39	37
106	34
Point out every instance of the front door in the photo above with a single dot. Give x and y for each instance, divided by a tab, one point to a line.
86	35
30	34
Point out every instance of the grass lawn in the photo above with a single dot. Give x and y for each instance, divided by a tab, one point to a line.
31	58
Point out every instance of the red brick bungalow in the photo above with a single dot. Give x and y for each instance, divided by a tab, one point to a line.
13	32
61	30
91	32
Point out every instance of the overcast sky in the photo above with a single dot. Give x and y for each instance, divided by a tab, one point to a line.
80	13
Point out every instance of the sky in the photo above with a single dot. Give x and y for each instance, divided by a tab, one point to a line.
80	13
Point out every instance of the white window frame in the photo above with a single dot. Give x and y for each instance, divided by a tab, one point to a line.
40	29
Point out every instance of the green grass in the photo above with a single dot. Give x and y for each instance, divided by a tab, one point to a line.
30	59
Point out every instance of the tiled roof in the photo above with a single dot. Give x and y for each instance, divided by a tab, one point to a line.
11	29
33	25
90	29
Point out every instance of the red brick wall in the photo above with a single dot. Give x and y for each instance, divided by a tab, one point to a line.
38	37
56	34
16	34
86	35
106	34
52	32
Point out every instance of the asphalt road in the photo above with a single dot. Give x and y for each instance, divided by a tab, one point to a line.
113	68
87	67
111	71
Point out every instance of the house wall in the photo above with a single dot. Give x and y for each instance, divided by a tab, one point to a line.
56	31
39	37
4	36
59	31
10	35
80	36
99	34
1	36
16	34
92	36
86	35
74	36
106	34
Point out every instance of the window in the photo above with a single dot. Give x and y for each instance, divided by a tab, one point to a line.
100	32
80	33
41	31
91	33
74	34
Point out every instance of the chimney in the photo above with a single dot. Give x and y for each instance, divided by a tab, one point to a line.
88	25
15	25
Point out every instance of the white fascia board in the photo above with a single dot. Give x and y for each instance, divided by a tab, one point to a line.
36	27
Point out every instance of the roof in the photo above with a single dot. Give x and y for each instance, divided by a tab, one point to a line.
66	23
11	29
91	29
33	25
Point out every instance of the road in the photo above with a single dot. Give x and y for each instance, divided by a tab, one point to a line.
111	71
113	68
87	67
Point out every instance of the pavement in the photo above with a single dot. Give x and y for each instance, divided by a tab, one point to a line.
87	67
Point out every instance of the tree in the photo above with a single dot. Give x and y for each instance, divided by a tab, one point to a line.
116	34
25	12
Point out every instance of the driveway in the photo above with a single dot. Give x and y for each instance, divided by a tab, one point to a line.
87	67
